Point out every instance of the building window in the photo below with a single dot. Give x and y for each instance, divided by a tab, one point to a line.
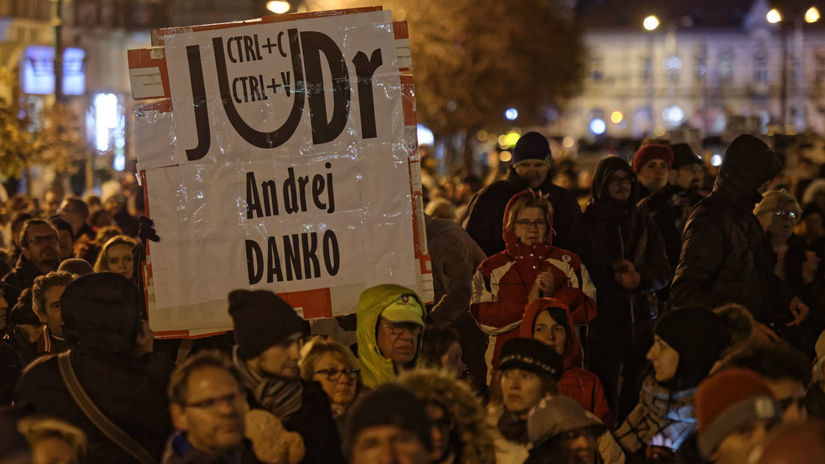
726	67
760	67
673	65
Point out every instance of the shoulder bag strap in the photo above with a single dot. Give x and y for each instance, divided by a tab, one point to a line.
103	423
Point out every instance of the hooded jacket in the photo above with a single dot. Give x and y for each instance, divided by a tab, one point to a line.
616	231
576	382
487	207
503	281
375	368
726	257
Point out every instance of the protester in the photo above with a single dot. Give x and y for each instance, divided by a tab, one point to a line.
111	356
548	320
336	369
561	432
530	268
664	417
52	441
116	256
531	165
39	256
687	172
785	370
388	424
461	433
441	348
207	404
46	293
455	257
390	319
269	335
628	263
725	257
734	412
65	242
529	371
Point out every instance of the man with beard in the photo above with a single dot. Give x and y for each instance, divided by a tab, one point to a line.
39	256
531	165
269	335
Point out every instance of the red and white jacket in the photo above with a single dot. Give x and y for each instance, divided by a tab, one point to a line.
503	281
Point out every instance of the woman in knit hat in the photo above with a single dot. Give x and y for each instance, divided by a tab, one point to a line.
529	371
530	268
686	345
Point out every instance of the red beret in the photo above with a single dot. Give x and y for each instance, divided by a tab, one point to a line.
650	152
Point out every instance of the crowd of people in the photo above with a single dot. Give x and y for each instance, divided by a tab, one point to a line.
657	322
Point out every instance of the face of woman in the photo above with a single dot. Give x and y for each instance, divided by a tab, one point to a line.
520	390
120	260
340	391
549	332
654	174
664	358
783	221
530	226
451	360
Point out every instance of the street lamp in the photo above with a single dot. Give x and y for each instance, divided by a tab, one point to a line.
812	15
650	23
278	7
773	16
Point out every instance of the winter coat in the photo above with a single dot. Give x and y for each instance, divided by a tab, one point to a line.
375	368
617	231
486	209
19	279
475	435
664	415
180	451
455	257
16	351
670	208
726	258
503	281
576	382
314	423
130	392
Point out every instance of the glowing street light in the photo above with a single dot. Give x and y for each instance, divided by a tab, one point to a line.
812	15
511	114
773	16
616	117
650	23
278	7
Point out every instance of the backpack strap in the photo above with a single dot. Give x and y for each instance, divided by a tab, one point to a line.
103	423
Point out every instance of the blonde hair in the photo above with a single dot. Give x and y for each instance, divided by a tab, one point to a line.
37	429
773	199
529	200
319	348
102	263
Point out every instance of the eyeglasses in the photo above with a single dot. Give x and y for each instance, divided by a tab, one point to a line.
785	213
526	223
43	239
335	374
399	328
233	399
621	180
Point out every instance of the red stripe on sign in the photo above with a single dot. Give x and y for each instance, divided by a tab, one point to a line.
408	99
314	303
163	106
400	30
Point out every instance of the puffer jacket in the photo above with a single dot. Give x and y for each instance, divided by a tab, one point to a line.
483	218
619	231
503	281
375	368
576	382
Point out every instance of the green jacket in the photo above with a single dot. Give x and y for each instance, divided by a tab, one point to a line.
375	368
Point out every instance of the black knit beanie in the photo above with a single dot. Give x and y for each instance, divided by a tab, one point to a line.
532	145
699	338
262	319
389	404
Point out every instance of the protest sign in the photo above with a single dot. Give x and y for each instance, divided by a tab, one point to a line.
279	154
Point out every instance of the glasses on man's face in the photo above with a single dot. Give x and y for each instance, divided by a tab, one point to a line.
781	213
614	181
401	327
233	399
334	374
528	224
43	239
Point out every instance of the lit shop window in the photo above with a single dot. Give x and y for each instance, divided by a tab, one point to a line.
107	122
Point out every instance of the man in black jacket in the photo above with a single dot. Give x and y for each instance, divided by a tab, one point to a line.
725	254
269	335
531	165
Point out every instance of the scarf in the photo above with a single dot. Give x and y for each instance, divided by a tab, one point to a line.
278	396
